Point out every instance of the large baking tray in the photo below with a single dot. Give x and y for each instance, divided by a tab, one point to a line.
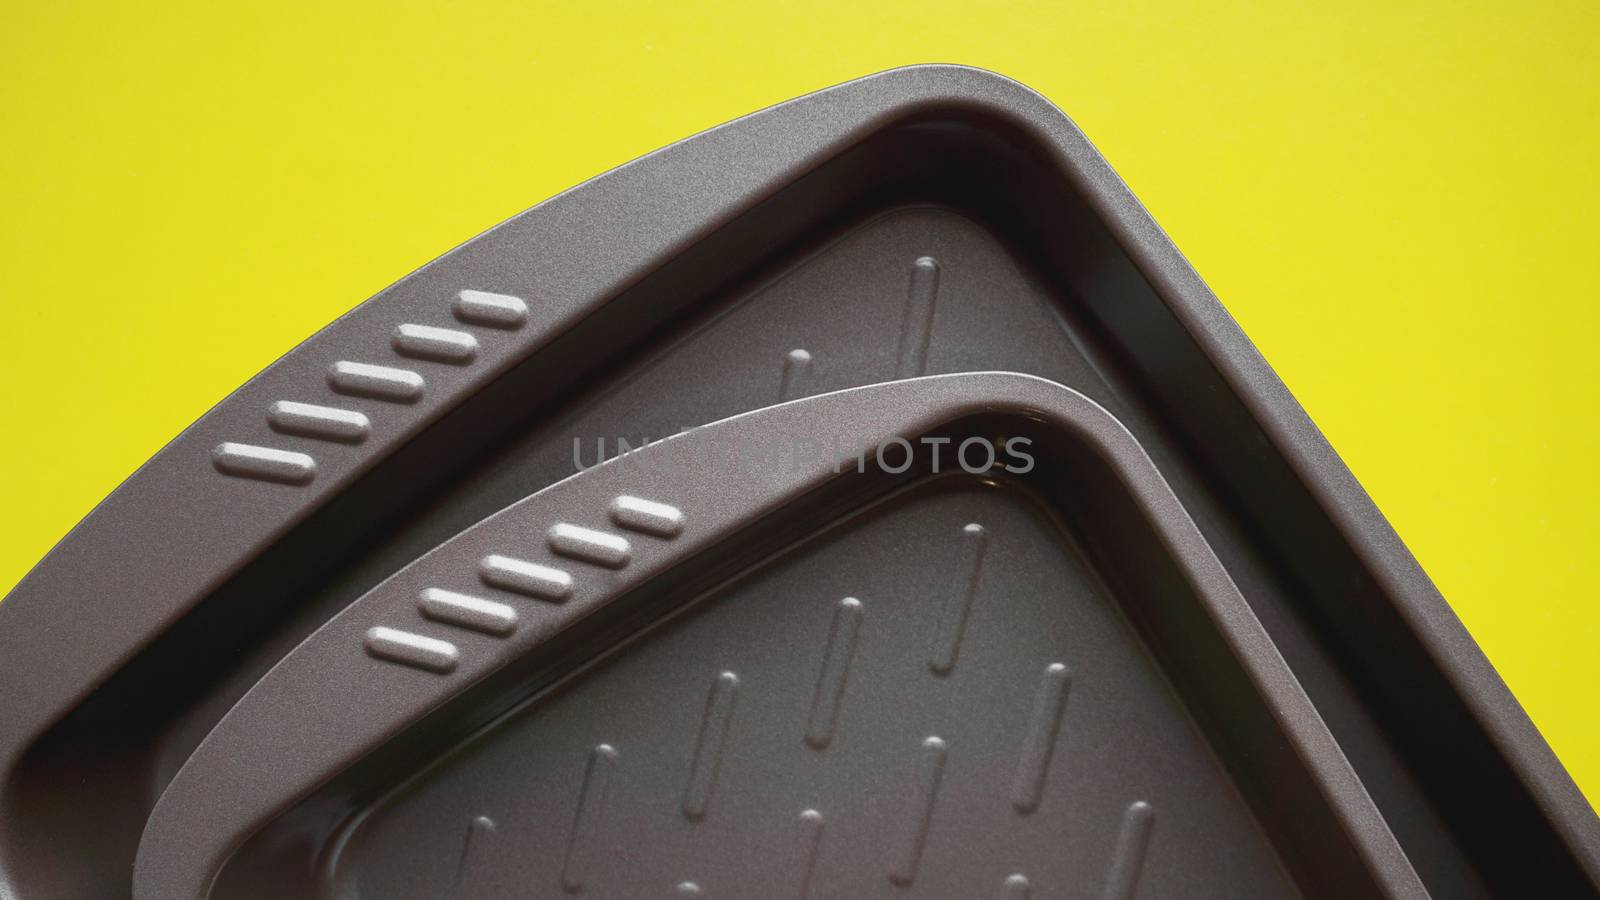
1216	666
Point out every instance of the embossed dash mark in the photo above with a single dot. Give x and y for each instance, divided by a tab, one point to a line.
958	605
492	310
325	422
1048	705
588	545
525	578
263	463
376	382
835	670
796	371
1016	887
916	328
475	849
408	649
709	745
589	820
647	516
811	824
466	611
1128	858
444	345
689	889
919	815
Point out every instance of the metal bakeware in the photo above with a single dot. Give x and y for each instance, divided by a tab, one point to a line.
377	625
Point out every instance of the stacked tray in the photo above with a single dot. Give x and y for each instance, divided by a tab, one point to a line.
862	498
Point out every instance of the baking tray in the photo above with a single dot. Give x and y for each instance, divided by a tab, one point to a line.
377	625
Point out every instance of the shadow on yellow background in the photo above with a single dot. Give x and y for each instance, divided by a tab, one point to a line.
1396	201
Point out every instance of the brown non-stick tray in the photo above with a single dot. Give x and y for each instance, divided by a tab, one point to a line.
971	551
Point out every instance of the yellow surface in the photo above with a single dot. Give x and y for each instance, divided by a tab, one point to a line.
1396	201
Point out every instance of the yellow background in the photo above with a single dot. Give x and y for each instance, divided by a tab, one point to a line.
1397	201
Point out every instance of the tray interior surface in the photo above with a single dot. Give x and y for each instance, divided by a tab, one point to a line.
732	682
